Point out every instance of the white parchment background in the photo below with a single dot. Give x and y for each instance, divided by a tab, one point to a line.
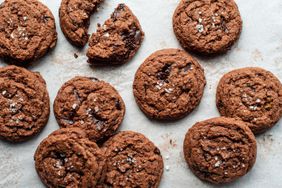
260	45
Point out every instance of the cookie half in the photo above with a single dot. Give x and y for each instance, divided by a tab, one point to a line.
27	30
66	158
75	19
207	26
90	104
25	105
132	161
118	40
169	84
253	95
220	150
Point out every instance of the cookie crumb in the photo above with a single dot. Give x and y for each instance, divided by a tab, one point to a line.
75	55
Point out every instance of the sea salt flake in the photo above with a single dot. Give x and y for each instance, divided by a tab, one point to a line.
130	160
74	106
88	111
13	107
96	109
200	28
160	83
200	20
253	108
258	101
4	92
217	164
169	90
106	34
25	18
158	87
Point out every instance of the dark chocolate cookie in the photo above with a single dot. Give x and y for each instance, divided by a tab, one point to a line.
132	161
24	103
67	158
75	19
89	104
169	84
252	94
27	30
220	150
207	26
118	40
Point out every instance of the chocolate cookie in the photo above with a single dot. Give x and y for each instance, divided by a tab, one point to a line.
132	161
220	150
66	158
207	26
117	41
90	104
252	94
24	103
169	84
75	19
27	30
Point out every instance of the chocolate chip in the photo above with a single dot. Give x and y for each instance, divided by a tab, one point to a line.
164	73
117	104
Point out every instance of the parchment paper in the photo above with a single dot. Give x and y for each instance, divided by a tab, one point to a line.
260	45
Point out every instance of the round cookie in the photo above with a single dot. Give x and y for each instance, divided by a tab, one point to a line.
75	19
132	161
220	150
169	84
207	26
90	104
251	94
66	158
27	30
118	40
24	103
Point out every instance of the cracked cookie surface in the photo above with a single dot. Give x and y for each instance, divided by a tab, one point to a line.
67	158
169	84
252	94
132	161
207	26
75	19
118	40
27	30
220	150
90	104
24	103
